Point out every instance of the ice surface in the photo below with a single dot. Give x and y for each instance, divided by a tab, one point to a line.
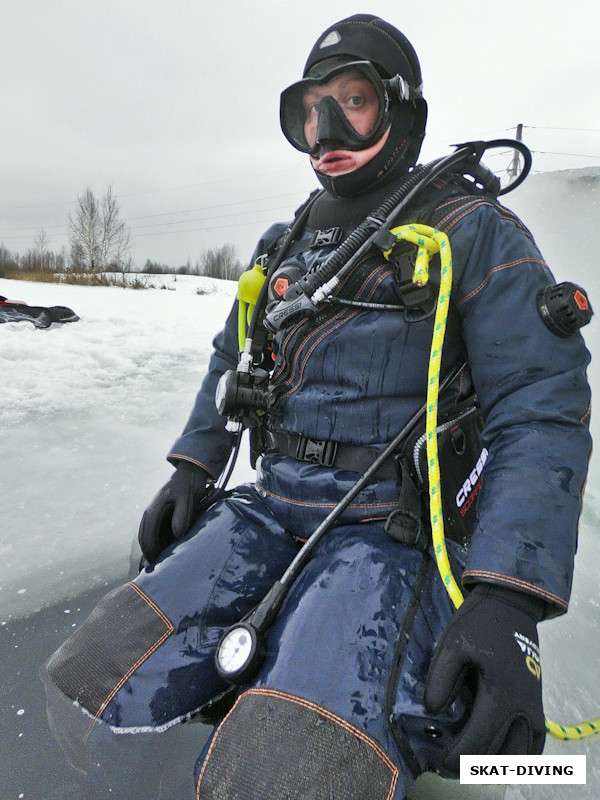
88	411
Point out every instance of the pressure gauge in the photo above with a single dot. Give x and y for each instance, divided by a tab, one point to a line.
239	653
226	392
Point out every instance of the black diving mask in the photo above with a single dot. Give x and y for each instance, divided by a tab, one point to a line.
332	128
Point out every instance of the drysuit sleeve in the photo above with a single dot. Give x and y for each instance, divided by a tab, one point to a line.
536	400
204	440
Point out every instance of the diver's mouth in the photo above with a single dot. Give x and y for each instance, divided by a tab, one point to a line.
333	161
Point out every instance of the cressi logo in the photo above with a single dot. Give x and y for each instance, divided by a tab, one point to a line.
468	491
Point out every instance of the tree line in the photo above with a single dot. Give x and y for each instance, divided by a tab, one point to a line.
100	241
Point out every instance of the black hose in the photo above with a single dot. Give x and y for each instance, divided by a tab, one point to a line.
279	256
515	144
316	276
353	248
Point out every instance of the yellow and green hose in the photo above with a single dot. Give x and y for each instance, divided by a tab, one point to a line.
430	241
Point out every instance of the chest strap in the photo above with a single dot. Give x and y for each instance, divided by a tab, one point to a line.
328	453
324	238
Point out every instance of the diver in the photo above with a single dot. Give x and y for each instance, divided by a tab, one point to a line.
368	675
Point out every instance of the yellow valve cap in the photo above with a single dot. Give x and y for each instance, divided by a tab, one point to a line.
250	284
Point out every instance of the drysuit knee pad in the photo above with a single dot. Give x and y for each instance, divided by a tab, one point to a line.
144	659
297	749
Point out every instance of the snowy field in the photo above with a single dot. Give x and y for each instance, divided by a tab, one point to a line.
88	411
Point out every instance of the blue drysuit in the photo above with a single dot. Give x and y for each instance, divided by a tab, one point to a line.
355	636
358	376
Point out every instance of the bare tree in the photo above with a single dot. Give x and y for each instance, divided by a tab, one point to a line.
98	238
8	260
40	248
37	257
84	233
115	238
220	262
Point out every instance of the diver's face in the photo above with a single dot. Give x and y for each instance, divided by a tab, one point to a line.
353	93
358	100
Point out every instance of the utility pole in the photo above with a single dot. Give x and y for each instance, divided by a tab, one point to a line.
514	166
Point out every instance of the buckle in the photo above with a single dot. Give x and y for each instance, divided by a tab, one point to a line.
327	237
407	528
316	451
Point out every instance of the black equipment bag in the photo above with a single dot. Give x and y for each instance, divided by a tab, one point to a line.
462	457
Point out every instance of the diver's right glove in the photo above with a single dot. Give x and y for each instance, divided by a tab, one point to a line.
491	644
174	509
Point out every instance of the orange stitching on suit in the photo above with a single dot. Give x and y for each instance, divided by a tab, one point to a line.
481	573
149	651
299	348
279	370
324	713
472	205
343	318
152	605
192	461
488	277
469	205
312	333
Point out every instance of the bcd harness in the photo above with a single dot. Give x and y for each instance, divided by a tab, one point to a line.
244	396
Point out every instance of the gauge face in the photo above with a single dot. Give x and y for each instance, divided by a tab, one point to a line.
221	394
235	649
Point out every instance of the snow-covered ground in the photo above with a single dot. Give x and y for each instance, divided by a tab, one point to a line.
88	411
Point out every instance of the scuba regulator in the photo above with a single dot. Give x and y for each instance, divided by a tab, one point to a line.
242	395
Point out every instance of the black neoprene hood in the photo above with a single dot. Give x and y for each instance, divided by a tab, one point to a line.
368	38
364	36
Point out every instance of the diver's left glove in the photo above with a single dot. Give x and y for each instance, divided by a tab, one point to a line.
174	509
491	647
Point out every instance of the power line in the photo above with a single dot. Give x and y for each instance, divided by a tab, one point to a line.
221	205
236	178
551	153
206	219
256	200
550	128
266	221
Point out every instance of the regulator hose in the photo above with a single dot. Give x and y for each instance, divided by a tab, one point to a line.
303	297
291	234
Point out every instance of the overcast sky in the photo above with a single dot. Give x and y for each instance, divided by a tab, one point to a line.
174	103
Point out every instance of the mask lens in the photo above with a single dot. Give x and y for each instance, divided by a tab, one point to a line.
345	105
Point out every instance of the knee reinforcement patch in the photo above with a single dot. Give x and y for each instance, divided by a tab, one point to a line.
273	744
124	629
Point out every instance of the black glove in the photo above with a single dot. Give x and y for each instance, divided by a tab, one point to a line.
491	646
172	512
